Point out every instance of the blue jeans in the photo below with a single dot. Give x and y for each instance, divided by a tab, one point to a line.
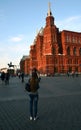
33	104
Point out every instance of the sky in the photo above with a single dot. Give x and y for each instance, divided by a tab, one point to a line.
20	20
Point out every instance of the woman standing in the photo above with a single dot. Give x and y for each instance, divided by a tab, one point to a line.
33	94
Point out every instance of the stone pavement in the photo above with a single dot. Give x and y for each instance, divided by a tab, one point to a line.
59	105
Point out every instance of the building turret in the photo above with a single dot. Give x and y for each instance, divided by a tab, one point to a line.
49	18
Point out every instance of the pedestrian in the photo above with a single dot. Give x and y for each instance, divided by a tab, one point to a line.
73	74
68	73
22	77
7	77
33	95
19	75
3	76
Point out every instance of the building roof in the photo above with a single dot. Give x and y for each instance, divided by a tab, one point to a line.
25	57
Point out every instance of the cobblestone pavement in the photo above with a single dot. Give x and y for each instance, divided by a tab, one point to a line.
59	105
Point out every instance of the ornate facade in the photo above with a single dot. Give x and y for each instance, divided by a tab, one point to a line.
54	51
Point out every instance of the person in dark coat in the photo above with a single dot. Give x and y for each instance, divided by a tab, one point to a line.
22	77
3	76
7	77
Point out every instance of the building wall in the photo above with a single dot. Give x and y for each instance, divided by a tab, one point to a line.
54	51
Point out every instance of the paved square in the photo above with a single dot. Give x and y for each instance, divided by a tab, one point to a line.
59	105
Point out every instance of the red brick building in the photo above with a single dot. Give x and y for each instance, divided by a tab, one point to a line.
54	51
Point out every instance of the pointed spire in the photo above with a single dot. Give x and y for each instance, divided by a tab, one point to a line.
49	9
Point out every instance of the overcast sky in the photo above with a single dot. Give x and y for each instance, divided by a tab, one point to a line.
20	20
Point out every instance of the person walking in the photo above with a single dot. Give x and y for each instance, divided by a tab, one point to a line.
33	95
22	77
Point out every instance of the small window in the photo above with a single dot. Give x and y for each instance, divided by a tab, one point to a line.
74	51
67	38
73	39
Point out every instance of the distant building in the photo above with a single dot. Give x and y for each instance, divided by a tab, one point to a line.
54	51
25	64
3	70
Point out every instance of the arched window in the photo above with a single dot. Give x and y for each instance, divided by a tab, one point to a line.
68	39
74	51
68	51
